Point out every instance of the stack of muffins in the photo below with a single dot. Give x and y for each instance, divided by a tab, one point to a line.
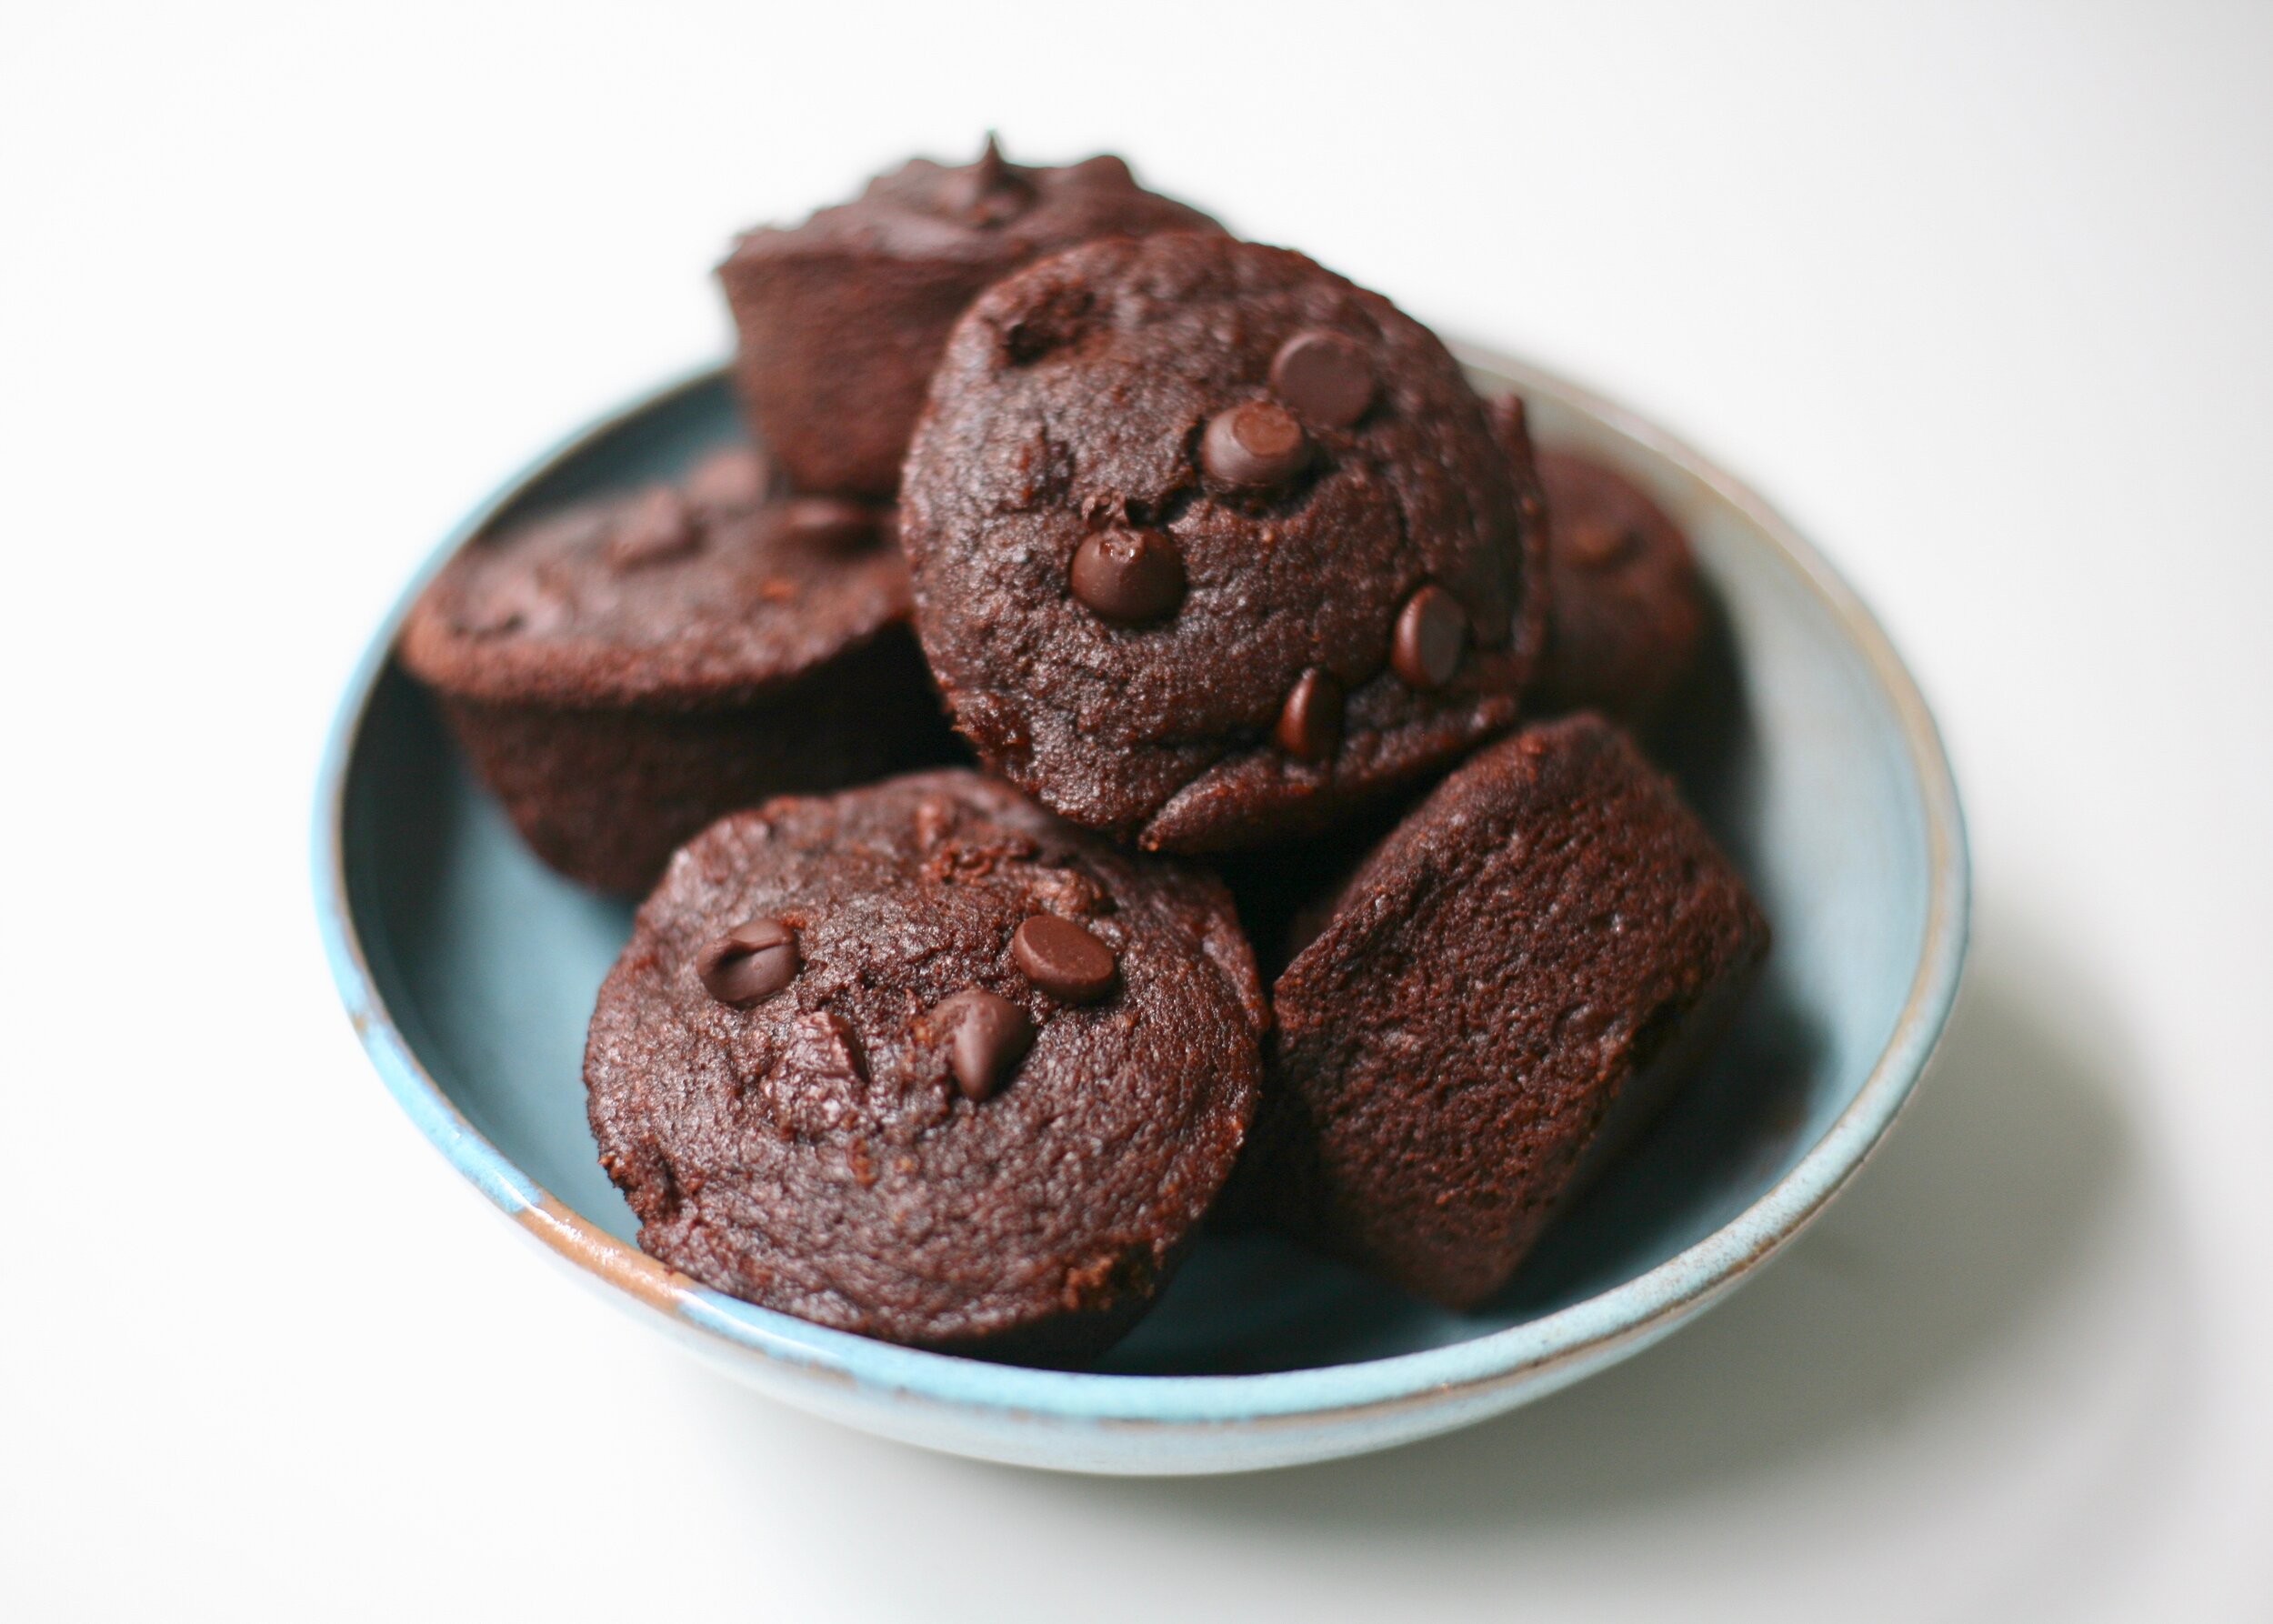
1306	877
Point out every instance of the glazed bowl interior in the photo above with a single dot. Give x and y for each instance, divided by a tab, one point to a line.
473	969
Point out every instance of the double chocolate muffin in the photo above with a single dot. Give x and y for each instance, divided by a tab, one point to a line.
842	318
1627	609
1211	546
923	1062
1629	612
1498	995
625	671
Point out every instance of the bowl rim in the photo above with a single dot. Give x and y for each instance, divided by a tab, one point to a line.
1569	1340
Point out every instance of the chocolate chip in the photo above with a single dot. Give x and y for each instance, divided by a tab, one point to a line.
1431	636
988	1036
1129	576
829	522
1310	722
1253	447
1599	545
752	961
657	529
1063	959
732	481
1326	376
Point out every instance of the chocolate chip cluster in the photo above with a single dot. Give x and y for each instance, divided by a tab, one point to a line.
987	1034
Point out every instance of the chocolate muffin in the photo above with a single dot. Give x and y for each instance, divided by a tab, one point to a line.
625	671
1627	614
1210	546
922	1062
1501	993
842	318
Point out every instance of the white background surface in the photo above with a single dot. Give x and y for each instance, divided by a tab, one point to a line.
1980	295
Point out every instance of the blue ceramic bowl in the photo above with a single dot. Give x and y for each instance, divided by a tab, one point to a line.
470	972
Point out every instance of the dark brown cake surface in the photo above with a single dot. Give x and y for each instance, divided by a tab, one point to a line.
659	598
841	318
1210	545
1543	928
623	673
966	1078
1627	612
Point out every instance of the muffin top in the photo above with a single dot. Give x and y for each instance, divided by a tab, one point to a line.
1628	610
707	593
987	210
1211	545
921	1061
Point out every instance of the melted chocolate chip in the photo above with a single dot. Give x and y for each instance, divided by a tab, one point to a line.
657	529
830	522
1310	722
1326	376
988	1036
1599	545
1128	576
1431	634
750	963
1063	959
1253	447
